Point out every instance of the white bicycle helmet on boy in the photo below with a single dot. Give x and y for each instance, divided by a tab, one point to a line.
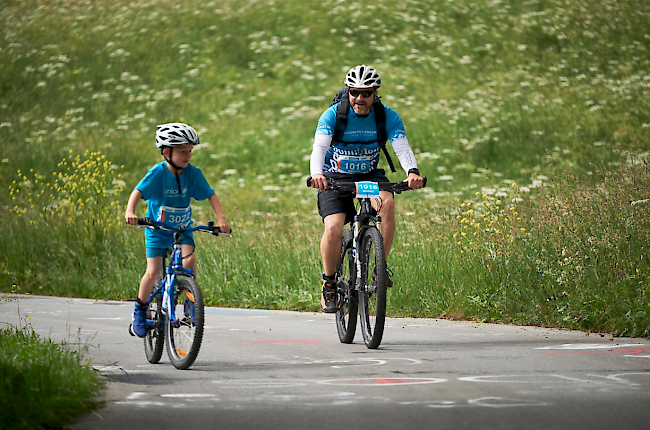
362	77
176	134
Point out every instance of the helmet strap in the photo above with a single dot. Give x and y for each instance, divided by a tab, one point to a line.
176	168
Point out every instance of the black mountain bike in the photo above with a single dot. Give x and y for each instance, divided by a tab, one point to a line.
361	273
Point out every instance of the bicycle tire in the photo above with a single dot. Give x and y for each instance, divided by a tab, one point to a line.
372	294
185	336
154	341
346	312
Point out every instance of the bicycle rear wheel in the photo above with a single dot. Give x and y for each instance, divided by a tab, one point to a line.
372	297
185	335
346	312
155	338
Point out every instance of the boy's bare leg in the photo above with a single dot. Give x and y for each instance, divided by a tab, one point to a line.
154	267
189	262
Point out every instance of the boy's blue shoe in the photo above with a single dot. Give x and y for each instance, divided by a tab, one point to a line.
139	324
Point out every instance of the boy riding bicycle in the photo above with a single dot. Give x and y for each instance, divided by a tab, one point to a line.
354	156
168	188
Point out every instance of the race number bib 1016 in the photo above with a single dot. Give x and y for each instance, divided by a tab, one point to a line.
175	216
350	164
367	189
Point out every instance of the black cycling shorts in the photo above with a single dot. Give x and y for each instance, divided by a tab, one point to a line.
332	202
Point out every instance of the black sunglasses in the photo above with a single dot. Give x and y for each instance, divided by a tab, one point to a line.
356	93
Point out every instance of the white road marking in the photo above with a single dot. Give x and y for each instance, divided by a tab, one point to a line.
585	346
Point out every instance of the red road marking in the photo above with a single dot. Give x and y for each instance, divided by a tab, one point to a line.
398	381
378	382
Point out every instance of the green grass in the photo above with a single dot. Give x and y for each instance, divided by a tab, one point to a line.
42	384
549	95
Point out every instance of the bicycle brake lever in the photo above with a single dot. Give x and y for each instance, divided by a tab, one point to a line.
216	231
403	186
220	233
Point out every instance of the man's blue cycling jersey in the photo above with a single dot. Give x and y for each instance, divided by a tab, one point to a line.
358	151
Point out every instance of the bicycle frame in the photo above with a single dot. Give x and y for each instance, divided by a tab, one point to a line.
175	267
168	281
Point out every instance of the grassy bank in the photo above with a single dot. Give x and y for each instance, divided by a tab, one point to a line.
530	120
42	384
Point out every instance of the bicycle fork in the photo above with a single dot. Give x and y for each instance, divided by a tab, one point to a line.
171	272
166	302
355	255
360	284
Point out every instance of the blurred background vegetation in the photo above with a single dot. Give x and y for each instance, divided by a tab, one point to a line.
530	119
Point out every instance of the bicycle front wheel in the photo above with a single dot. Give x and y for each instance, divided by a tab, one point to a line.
372	295
155	338
346	312
184	336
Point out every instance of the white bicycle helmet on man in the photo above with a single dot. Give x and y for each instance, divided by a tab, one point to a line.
362	77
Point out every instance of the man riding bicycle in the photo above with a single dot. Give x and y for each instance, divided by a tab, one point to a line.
354	156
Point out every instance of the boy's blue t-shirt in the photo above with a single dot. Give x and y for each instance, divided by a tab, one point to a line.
160	189
361	154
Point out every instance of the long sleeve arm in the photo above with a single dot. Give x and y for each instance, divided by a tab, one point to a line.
404	154
321	145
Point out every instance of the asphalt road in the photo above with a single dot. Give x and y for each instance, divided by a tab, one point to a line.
287	370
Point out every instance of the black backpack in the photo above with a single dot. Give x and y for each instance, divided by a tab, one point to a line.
342	121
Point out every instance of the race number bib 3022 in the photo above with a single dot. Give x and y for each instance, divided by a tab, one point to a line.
175	216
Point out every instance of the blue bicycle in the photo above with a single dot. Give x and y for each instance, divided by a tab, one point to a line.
175	308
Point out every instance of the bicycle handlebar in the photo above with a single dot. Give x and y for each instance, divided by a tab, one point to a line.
210	228
396	187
